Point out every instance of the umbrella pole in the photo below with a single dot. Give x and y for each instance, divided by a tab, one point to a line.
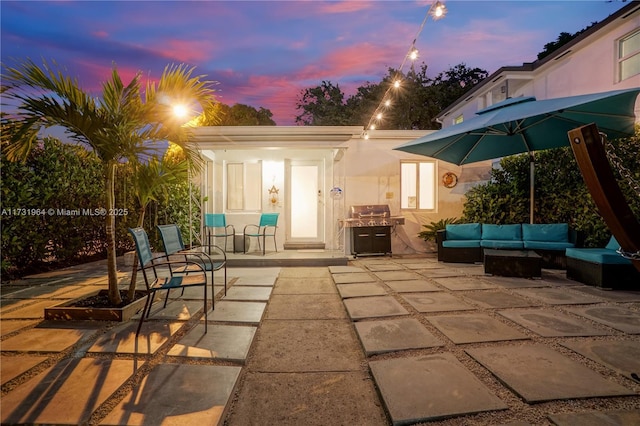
532	166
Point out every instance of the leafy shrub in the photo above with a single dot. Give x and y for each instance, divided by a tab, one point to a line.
429	234
66	177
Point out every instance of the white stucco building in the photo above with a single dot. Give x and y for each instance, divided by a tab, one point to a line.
311	175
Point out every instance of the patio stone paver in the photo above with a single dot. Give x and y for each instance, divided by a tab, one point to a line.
474	328
66	393
360	290
412	286
304	286
42	292
49	337
248	293
558	296
387	266
30	311
353	277
614	296
617	317
373	307
465	283
221	342
173	394
422	265
516	282
7	327
12	366
538	373
349	395
122	340
441	272
306	345
619	355
265	280
498	299
597	418
182	310
339	269
394	335
550	323
435	302
308	306
231	311
397	275
430	387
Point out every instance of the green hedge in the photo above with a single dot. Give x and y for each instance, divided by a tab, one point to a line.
60	178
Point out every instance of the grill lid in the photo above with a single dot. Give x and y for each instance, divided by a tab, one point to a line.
370	211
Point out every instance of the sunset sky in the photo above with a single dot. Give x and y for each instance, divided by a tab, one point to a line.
264	53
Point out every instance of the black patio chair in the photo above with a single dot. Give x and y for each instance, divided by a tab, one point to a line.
211	262
158	274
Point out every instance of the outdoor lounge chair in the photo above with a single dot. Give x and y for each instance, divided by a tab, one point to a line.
174	245
154	271
266	228
216	227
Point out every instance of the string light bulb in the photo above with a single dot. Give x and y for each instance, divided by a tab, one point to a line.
437	11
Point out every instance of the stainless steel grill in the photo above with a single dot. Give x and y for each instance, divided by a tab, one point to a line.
371	228
371	215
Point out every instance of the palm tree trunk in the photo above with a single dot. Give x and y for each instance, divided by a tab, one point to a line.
134	273
110	227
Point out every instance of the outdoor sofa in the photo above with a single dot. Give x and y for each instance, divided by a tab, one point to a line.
602	267
464	243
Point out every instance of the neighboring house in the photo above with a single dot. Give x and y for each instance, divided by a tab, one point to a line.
603	58
312	175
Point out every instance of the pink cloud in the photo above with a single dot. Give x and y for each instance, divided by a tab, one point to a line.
189	51
101	34
347	6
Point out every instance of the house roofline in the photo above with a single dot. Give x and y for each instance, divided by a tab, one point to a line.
623	12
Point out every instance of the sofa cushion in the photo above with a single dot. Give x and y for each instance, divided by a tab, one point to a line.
463	231
544	245
597	255
502	232
613	244
502	244
460	243
548	232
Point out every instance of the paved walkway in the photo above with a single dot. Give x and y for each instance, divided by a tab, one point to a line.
381	341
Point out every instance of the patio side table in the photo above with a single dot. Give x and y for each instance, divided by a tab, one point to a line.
513	263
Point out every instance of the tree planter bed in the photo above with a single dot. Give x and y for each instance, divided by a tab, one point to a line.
67	311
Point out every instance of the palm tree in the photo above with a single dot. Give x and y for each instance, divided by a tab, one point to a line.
122	124
152	179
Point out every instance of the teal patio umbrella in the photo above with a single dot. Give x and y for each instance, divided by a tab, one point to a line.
520	125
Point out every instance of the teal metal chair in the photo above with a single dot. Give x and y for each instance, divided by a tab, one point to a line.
216	227
211	262
266	228
156	278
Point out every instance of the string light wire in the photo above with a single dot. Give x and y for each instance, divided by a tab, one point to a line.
437	10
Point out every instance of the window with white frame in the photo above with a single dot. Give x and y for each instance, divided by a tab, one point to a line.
244	183
629	56
418	185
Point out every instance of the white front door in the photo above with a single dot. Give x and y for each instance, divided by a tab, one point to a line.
305	201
